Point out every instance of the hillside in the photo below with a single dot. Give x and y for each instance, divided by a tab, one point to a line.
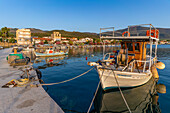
164	32
41	33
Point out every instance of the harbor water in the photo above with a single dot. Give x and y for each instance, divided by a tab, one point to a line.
76	95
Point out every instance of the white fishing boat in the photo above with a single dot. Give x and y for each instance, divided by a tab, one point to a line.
131	65
1	47
51	52
29	48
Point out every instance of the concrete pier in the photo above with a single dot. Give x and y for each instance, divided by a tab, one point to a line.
22	99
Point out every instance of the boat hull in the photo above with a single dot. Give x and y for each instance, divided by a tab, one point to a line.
138	99
124	79
50	54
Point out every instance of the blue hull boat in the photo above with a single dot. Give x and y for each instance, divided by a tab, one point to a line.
50	54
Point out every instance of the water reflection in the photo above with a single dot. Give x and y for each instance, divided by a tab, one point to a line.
77	97
79	52
139	99
45	62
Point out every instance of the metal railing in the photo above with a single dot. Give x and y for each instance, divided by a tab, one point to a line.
145	64
134	30
107	54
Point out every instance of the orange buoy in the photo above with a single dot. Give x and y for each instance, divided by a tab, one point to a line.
161	88
160	65
154	72
86	58
124	34
155	99
153	33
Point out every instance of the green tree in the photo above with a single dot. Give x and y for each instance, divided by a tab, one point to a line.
12	40
82	44
64	43
113	42
87	42
0	33
98	40
5	33
45	42
71	42
94	40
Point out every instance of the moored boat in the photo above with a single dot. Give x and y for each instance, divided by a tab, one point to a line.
17	58
51	52
130	66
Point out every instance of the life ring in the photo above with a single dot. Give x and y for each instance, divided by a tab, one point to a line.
153	34
124	34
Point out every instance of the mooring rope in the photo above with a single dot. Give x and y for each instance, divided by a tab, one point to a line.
93	97
95	94
68	79
122	93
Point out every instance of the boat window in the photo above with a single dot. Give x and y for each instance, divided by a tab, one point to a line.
129	46
137	47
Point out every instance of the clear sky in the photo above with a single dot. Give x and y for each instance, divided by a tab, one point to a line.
83	15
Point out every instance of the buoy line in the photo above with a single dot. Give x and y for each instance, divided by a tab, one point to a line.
122	93
68	79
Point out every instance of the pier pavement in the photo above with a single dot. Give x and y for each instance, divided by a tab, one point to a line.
22	99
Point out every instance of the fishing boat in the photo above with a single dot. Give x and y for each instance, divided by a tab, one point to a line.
1	47
132	64
51	52
17	58
29	48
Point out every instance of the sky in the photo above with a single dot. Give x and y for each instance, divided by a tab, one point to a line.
83	15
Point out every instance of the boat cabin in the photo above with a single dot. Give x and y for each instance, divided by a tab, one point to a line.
135	50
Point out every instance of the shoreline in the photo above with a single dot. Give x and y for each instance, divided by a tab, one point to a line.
22	99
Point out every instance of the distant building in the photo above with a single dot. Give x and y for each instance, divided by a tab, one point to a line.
23	36
73	39
48	37
89	39
163	42
82	40
106	41
56	36
63	38
66	41
37	40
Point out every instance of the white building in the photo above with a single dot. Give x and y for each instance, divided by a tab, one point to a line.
23	36
82	40
89	39
56	36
